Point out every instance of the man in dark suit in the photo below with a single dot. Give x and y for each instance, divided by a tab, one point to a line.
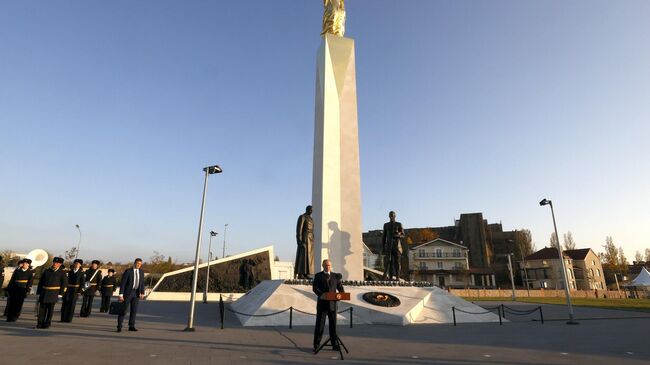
324	282
19	286
131	291
51	287
392	247
93	280
75	282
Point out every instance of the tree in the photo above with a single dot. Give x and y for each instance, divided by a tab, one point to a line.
647	254
524	242
569	243
554	241
638	256
622	266
611	260
70	254
420	235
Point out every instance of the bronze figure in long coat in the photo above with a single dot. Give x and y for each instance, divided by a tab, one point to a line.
305	251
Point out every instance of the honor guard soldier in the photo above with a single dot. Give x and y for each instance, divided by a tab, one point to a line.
19	286
93	280
50	287
106	290
75	281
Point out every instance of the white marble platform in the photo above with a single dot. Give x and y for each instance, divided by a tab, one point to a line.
418	305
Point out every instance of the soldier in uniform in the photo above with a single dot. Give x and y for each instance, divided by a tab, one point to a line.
75	282
50	287
19	286
106	289
93	280
392	247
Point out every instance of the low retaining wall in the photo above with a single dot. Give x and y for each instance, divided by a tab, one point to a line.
536	293
185	297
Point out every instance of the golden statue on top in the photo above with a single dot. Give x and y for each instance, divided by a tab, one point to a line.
333	18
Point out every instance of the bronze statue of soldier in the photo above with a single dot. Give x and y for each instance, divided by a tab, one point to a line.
305	250
392	247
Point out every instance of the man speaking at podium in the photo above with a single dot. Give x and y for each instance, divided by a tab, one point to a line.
326	281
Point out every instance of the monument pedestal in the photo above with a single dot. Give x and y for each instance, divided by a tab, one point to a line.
336	189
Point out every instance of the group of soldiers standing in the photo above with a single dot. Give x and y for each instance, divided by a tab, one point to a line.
57	283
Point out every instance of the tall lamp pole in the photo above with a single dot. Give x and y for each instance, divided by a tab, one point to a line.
207	273
78	243
559	249
208	171
223	253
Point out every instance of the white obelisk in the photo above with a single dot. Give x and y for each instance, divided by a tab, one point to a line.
336	190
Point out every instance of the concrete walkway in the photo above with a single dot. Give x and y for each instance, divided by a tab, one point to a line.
161	340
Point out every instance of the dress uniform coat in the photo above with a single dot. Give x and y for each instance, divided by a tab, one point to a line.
50	286
323	283
106	289
19	286
75	283
94	281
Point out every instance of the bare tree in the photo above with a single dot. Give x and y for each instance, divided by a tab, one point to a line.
647	255
524	241
638	256
554	241
569	243
70	254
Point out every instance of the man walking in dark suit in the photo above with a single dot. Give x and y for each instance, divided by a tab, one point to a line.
93	280
326	281
131	291
51	286
75	281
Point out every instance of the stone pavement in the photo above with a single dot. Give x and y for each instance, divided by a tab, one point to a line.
621	339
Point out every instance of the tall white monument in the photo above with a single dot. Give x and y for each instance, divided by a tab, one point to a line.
336	190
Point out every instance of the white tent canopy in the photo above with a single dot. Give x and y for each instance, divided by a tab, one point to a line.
643	279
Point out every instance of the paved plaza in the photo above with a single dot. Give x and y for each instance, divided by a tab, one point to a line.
602	337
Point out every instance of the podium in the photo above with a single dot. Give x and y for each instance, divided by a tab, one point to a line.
331	296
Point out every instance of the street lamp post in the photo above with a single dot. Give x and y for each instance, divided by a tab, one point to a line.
223	253
208	171
207	274
78	243
564	277
512	278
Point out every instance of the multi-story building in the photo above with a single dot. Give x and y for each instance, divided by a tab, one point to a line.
443	263
543	269
587	268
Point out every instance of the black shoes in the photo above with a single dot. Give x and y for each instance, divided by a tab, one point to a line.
133	329
119	329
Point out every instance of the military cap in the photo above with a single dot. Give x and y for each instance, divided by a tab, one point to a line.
111	270
80	261
57	260
95	262
29	261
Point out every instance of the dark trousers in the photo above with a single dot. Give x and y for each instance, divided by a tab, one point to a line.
106	302
67	309
320	326
87	305
131	301
45	311
15	305
7	303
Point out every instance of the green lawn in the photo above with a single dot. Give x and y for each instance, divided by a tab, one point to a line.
625	304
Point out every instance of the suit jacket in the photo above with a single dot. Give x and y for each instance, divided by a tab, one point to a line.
393	233
126	286
51	285
323	284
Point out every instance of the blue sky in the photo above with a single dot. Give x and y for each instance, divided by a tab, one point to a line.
109	111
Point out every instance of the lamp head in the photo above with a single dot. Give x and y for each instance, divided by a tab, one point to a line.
213	233
544	202
213	169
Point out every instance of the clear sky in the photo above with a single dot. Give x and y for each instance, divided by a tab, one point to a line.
110	109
